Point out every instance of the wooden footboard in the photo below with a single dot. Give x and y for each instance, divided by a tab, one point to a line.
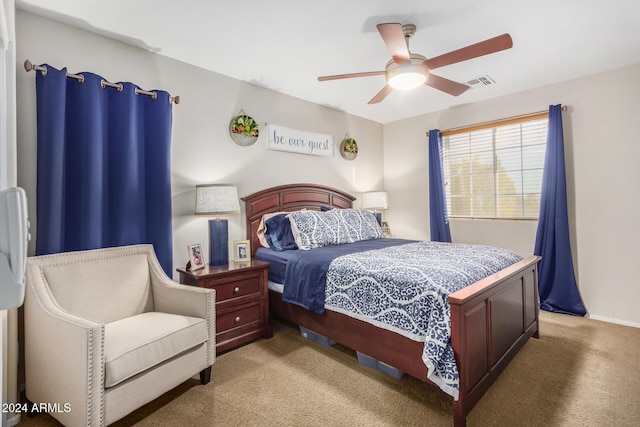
490	320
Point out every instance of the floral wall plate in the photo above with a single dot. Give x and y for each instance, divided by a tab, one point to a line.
244	130
349	148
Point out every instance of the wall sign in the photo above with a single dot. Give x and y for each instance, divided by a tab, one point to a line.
281	138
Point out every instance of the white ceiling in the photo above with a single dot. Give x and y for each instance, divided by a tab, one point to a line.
285	45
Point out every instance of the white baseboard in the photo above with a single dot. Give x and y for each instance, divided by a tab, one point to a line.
610	320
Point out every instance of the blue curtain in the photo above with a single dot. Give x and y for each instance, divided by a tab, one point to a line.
556	279
103	166
438	219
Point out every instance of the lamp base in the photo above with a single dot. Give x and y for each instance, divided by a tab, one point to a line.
218	242
378	216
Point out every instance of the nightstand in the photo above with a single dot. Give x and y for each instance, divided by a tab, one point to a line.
242	300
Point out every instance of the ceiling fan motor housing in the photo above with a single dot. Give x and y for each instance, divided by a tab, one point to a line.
407	75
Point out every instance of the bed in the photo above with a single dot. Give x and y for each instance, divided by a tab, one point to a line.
491	319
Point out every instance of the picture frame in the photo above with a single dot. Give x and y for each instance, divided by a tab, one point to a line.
195	257
386	229
241	250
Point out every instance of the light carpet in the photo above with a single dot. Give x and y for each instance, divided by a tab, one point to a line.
581	372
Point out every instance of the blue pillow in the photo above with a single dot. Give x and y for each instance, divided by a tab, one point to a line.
278	234
325	208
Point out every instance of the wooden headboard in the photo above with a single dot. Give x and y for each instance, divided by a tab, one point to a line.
286	198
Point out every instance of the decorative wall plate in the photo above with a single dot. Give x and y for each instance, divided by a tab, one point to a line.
244	130
349	148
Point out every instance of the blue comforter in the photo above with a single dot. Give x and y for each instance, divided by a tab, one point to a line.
306	271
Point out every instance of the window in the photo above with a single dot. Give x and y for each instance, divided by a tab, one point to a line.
495	171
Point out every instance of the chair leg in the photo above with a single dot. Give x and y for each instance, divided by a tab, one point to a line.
32	410
205	376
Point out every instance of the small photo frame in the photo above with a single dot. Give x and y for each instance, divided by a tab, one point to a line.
195	256
386	230
242	250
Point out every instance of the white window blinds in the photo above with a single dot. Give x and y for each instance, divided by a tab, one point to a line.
495	171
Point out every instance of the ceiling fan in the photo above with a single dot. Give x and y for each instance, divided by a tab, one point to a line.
408	70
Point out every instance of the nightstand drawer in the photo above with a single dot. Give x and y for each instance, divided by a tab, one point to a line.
242	300
237	318
235	289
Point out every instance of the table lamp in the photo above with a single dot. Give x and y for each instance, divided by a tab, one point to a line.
375	200
217	199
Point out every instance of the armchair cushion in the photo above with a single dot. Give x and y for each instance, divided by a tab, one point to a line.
135	344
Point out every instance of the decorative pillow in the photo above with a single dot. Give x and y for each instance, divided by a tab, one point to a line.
312	229
362	224
325	208
262	228
278	233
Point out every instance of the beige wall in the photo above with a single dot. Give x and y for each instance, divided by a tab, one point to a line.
603	182
202	150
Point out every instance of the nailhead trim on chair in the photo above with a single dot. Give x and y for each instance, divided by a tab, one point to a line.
208	322
90	329
90	382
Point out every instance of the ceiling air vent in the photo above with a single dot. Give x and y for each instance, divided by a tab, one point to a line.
481	81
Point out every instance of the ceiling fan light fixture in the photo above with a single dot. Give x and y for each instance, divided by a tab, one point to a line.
407	80
408	75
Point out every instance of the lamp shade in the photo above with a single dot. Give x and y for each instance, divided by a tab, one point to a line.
375	200
216	199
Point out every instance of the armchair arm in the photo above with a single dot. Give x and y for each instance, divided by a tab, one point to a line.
72	371
174	298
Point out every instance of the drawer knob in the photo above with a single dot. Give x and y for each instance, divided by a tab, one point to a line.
236	290
237	319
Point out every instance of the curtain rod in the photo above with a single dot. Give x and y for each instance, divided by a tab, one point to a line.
564	108
28	66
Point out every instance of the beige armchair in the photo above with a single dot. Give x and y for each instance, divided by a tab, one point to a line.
106	331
